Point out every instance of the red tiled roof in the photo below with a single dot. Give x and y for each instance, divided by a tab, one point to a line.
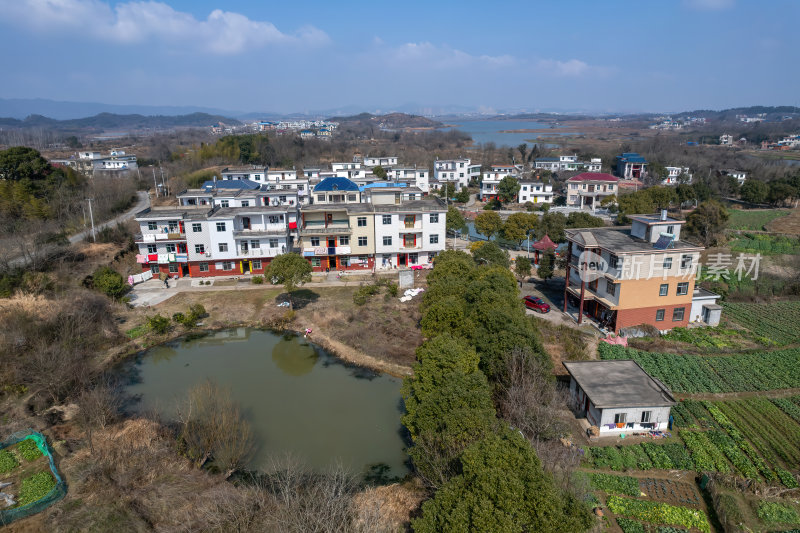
594	176
544	244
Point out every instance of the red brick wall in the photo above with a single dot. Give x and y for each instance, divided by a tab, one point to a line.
647	315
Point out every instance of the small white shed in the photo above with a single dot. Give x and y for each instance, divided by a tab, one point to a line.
618	396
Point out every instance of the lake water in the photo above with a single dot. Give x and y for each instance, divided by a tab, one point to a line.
484	131
298	398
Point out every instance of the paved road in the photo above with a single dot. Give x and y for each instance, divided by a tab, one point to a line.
142	201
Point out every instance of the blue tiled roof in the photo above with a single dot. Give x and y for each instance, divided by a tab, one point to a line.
336	184
246	185
362	188
631	157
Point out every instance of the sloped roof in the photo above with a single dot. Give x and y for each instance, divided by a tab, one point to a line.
544	244
594	176
336	184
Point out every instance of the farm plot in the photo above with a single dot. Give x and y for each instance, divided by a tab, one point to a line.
644	456
777	321
755	220
713	374
658	513
765	244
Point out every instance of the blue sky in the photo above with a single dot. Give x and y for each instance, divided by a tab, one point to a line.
301	56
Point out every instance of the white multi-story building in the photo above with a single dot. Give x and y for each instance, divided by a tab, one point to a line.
251	172
726	140
409	234
279	174
456	171
589	189
491	179
535	191
673	173
417	177
568	162
384	161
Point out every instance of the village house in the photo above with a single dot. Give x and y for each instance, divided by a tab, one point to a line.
567	162
673	173
740	175
492	178
618	396
418	177
627	276
631	165
407	234
456	171
384	161
338	236
726	140
535	191
589	188
251	172
336	190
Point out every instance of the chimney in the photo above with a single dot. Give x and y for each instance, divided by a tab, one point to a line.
663	215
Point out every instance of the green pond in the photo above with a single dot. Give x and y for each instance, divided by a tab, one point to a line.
298	399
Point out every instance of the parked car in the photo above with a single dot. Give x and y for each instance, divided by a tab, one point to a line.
537	304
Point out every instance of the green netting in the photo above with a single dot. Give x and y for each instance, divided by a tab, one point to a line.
59	491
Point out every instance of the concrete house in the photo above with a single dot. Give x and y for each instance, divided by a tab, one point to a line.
535	191
631	165
618	396
589	188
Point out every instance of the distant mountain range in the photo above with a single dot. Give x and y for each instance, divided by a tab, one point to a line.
110	121
388	121
22	107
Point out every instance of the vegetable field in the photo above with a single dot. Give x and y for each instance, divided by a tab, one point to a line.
659	513
703	374
754	438
778	321
753	219
765	244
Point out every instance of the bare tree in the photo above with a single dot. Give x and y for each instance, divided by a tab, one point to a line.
212	427
99	407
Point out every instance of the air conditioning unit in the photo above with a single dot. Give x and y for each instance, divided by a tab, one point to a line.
207	254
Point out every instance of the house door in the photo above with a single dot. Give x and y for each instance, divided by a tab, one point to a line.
245	222
401	259
331	242
705	315
586	407
184	270
332	262
245	267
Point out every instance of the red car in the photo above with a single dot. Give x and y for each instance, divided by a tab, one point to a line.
537	304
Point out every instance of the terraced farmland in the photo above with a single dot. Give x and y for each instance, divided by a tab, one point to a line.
777	321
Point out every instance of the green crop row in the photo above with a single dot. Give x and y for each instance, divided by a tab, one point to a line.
730	373
615	484
659	513
776	321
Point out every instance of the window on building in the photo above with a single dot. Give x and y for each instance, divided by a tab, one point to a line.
152	226
613	261
199	248
154	269
362	241
320	198
660	315
315	262
611	287
197	227
344	241
171	248
223	247
387	241
224	203
282	199
173	269
667	264
413	259
273	243
361	222
173	226
255	244
663	290
646	416
245	203
677	314
683	288
387	219
620	418
435	239
203	267
314	241
686	261
227	265
351	197
220	226
670	229
434	218
152	249
257	264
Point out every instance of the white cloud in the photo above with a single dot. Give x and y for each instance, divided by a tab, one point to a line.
426	55
223	32
572	67
709	5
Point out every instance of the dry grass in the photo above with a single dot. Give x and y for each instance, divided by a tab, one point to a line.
565	343
788	224
393	504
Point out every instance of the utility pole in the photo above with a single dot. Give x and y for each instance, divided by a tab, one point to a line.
164	187
91	216
155	183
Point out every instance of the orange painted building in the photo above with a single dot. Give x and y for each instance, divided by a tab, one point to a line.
627	276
